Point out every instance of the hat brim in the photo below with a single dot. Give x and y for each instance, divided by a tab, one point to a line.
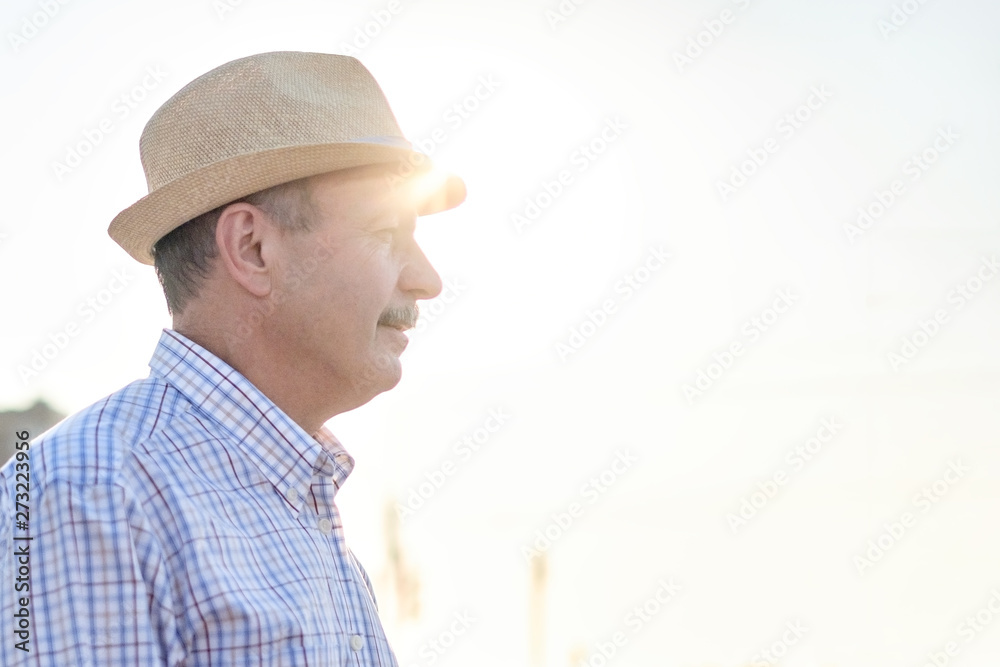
141	225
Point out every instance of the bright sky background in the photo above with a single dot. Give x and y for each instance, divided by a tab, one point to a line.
683	130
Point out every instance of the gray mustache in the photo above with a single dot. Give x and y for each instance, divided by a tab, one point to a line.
395	317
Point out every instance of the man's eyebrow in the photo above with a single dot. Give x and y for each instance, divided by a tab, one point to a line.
404	219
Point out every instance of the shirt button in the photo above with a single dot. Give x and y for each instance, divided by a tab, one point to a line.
293	496
325	527
357	642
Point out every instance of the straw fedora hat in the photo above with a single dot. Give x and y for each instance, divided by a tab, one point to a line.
259	121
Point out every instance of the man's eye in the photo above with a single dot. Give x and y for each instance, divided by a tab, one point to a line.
386	234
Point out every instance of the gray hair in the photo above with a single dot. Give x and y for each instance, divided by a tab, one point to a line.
183	258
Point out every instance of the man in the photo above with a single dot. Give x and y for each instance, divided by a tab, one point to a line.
189	518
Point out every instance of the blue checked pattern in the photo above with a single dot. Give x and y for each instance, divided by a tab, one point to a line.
186	520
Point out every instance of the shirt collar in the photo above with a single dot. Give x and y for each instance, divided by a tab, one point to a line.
283	452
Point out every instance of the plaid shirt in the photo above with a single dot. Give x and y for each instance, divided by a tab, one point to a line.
186	520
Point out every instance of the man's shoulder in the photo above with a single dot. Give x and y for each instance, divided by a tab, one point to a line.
93	445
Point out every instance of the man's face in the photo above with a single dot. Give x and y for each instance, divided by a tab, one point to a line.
350	284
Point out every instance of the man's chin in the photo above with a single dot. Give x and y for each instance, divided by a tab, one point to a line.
382	373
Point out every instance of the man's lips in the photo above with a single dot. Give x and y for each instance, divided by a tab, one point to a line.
397	334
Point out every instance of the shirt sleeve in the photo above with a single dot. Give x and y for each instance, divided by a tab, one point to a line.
99	591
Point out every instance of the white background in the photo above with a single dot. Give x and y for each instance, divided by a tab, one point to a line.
523	291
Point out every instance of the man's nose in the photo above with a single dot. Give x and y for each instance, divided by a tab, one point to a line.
419	277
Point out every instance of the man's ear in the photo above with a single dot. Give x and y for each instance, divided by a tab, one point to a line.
241	233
